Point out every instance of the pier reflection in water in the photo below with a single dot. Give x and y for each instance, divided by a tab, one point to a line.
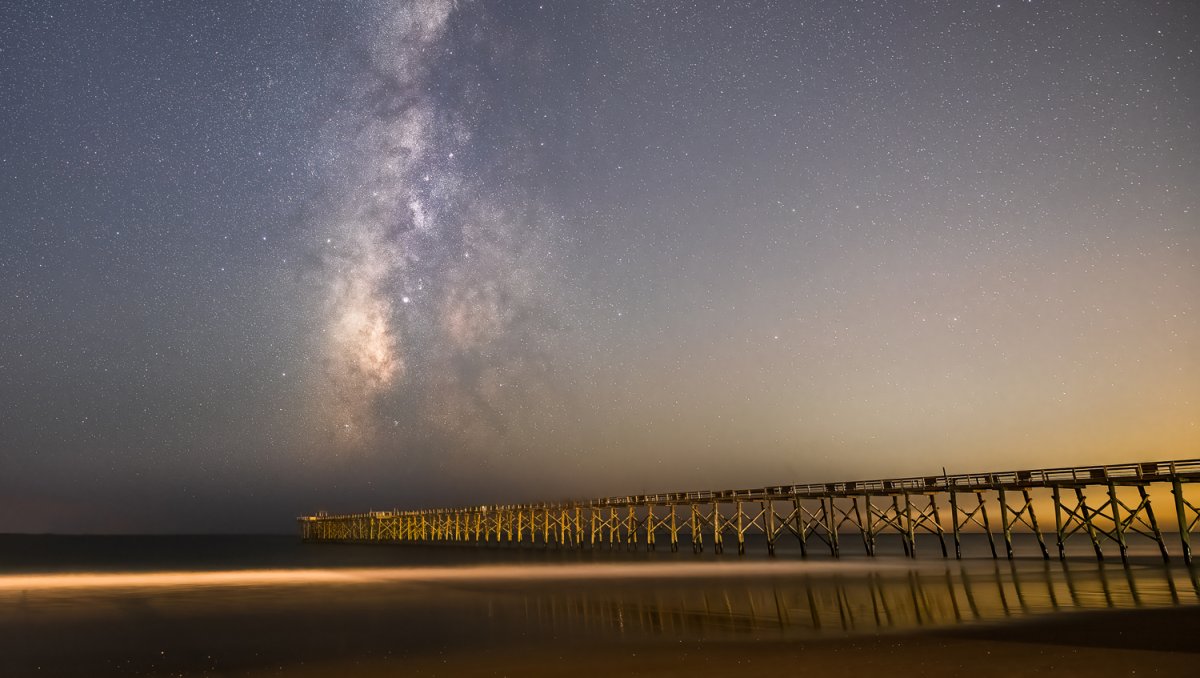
874	602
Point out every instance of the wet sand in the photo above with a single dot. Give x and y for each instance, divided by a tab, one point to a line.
1140	642
1120	643
654	619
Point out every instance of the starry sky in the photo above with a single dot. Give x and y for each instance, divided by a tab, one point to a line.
261	259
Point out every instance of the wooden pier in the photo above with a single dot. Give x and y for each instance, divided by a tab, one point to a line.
1105	505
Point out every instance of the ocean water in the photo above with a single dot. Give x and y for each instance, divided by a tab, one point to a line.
218	605
20	553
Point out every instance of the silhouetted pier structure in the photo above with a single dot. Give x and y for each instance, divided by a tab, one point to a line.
1104	504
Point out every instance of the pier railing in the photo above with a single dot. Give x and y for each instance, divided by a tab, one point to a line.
819	514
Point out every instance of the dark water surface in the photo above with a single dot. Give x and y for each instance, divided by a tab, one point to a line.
226	605
21	553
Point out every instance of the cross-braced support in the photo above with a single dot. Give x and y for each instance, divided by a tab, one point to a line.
884	517
1113	520
1010	515
1071	517
925	518
819	522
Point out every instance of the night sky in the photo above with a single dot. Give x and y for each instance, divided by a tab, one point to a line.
261	259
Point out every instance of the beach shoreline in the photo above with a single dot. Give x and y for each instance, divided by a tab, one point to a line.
936	618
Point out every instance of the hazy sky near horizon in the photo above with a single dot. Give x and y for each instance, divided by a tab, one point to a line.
261	259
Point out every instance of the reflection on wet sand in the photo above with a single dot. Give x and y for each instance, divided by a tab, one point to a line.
793	599
878	601
232	621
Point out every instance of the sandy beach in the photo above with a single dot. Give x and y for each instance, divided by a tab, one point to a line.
1121	643
1126	643
547	618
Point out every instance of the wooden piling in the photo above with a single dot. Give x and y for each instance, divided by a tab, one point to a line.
1033	524
1184	520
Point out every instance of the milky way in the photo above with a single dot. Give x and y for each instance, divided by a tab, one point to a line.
428	274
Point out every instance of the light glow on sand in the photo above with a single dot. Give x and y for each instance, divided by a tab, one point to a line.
286	577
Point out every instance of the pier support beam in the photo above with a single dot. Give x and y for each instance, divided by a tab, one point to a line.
1187	516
